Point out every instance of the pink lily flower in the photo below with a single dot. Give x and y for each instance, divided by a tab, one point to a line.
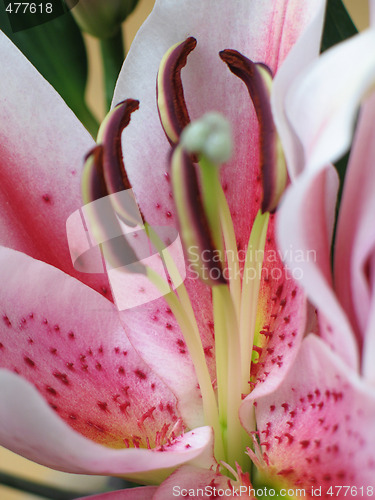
331	385
85	388
63	337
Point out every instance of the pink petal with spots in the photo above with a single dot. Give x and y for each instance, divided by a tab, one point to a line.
305	225
355	243
281	318
156	336
317	428
144	493
29	427
196	480
280	341
68	342
42	146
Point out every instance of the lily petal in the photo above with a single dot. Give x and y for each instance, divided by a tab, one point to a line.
308	208
355	241
369	341
303	52
156	335
323	102
67	340
281	320
191	478
321	417
41	161
31	428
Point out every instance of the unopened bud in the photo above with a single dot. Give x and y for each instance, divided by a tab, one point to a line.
101	18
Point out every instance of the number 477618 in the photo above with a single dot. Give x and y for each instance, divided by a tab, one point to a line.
353	491
27	7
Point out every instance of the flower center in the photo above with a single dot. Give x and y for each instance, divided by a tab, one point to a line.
206	227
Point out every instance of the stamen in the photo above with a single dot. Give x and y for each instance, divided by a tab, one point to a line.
258	81
229	374
210	139
115	176
259	459
101	217
231	470
194	226
172	108
93	183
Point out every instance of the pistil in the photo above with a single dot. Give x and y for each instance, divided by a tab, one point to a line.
199	139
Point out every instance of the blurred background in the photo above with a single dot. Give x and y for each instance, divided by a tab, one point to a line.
9	462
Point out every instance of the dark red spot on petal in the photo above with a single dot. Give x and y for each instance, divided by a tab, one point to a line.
6	320
47	198
103	405
29	361
124	406
62	377
140	374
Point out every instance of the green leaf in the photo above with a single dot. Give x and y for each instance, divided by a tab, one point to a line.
56	48
338	25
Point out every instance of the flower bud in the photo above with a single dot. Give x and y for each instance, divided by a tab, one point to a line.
101	18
